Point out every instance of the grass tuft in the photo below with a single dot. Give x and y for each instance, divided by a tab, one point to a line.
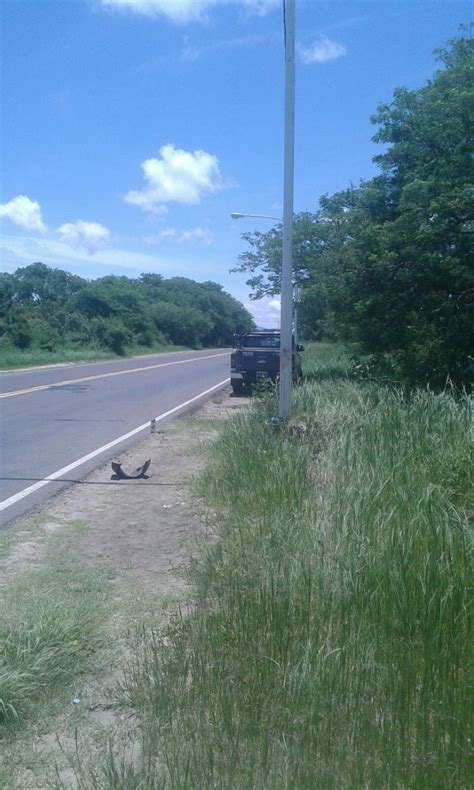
47	633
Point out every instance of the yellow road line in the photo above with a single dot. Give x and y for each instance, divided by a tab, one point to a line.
106	375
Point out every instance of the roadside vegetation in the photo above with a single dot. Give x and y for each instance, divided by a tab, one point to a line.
48	315
329	641
15	358
385	266
48	633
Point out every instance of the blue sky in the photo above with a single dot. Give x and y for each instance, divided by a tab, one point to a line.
132	128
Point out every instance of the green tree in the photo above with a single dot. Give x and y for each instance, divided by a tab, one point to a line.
182	324
39	283
47	308
387	265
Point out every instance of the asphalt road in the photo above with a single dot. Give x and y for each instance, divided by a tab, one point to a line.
52	419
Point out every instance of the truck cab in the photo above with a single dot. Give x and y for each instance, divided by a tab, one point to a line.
256	357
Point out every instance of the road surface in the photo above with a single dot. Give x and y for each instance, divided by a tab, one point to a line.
58	423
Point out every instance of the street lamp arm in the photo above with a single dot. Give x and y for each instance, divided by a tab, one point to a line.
238	215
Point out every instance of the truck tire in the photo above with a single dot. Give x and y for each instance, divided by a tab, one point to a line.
237	386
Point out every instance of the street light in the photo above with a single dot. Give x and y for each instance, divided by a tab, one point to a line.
286	334
286	320
238	215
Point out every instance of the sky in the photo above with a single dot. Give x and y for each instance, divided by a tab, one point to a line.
131	129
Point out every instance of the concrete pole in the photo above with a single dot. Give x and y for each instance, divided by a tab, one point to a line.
296	294
286	321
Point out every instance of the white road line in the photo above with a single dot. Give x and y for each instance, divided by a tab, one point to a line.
66	469
41	387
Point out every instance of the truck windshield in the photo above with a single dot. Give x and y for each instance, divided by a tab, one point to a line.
261	341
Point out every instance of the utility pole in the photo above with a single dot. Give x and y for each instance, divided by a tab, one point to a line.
296	296
286	321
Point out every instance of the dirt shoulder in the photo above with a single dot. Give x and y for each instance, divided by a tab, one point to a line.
137	536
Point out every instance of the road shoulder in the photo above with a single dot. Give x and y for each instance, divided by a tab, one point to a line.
136	537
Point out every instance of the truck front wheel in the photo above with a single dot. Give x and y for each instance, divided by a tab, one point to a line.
237	386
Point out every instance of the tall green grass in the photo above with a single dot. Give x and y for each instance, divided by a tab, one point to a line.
48	631
328	646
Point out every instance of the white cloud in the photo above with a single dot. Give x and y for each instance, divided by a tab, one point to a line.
199	235
190	53
321	50
23	212
265	312
179	11
177	177
195	235
20	250
91	236
182	11
259	7
167	233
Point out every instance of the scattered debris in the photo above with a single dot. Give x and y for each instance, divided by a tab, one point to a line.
137	473
76	701
297	428
103	706
273	422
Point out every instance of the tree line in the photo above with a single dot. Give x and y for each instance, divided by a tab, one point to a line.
46	308
387	266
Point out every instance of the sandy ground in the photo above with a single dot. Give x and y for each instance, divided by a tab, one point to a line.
140	530
136	525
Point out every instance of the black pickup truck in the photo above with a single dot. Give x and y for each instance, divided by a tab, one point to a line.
256	356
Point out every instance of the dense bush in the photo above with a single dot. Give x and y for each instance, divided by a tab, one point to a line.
44	308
